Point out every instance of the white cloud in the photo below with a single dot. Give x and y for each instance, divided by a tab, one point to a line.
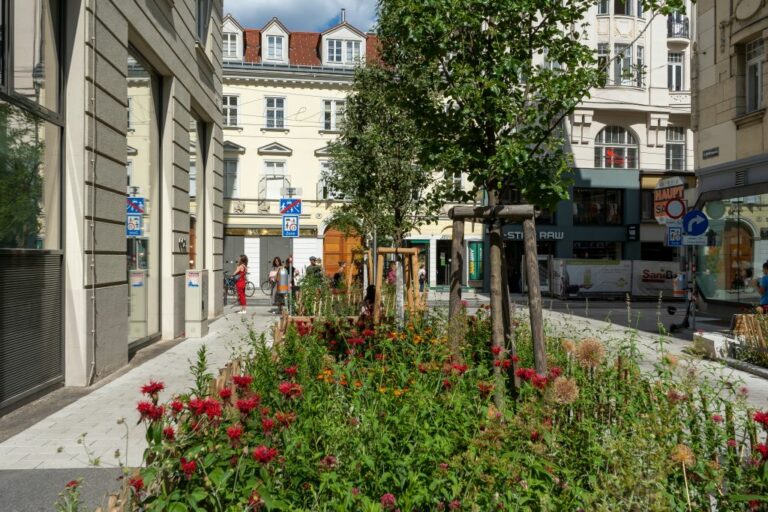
302	15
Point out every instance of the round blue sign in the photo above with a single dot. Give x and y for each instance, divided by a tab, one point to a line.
695	223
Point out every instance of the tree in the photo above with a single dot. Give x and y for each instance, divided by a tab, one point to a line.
373	164
476	81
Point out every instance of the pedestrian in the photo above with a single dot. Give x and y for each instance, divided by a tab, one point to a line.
313	269
366	311
241	277
762	287
338	277
392	273
422	277
292	274
274	275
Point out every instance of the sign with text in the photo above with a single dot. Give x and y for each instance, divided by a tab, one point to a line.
669	189
132	225
577	278
290	226
649	278
674	236
542	235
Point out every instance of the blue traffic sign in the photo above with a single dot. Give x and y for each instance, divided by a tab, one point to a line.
132	225
134	205
674	236
290	226
290	206
695	223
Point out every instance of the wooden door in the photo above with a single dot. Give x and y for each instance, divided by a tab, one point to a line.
337	248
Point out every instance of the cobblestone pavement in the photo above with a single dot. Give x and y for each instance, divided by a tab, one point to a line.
54	441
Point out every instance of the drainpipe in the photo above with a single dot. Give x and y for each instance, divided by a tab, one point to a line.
94	5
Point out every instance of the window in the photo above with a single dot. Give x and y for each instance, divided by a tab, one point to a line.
333	114
275	113
640	67
622	7
33	49
230	178
203	15
640	12
274	176
602	7
129	110
353	51
599	206
675	148
603	61
754	75
675	71
615	148
230	110
647	212
334	50
455	177
677	25
275	47
622	68
192	179
597	250
229	45
325	191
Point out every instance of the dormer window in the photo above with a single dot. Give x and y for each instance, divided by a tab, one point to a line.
343	52
229	45
334	50
275	47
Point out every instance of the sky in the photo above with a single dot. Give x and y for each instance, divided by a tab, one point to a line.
302	15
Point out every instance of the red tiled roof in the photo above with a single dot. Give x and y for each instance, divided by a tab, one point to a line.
304	49
252	52
372	48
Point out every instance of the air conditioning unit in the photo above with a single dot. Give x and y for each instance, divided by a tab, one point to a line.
290	191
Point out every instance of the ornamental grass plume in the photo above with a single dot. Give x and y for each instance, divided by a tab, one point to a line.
569	346
590	353
564	390
681	454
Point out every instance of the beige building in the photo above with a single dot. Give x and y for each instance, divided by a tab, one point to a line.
732	147
283	100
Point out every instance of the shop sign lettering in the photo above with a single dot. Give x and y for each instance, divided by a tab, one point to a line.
543	235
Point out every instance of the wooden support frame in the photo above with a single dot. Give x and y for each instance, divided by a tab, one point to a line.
410	268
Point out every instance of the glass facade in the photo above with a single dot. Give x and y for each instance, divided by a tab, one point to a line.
737	247
599	206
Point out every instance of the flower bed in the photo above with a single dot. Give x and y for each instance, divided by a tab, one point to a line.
343	417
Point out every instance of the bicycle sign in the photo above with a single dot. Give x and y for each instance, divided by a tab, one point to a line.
132	225
290	206
674	236
290	226
134	205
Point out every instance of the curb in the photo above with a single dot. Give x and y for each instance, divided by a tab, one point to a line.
757	371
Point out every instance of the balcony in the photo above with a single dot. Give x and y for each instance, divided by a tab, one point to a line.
678	27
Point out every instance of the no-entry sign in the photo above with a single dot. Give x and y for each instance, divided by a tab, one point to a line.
675	208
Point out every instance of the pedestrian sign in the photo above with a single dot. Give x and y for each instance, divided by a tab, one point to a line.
290	206
674	236
290	226
132	225
695	223
134	205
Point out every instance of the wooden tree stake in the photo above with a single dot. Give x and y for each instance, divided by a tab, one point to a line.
534	296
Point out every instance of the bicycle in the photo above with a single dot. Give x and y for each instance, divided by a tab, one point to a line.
266	286
230	288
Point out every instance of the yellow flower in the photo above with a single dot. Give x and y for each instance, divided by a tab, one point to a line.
382	389
398	392
417	339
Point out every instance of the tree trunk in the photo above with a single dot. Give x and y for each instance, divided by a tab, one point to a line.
497	308
455	330
509	330
534	296
399	302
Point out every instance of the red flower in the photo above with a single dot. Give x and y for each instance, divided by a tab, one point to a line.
555	372
150	411
285	418
525	373
303	328
515	358
535	436
423	368
717	418
388	501
447	384
291	371
369	332
152	388
72	484
761	418
443	466
264	455
328	462
731	443
196	406
539	381
486	388
459	368
225	393
743	391
265	411
379	357
212	407
392	335
497	363
454	505
188	467
234	432
177	406
496	350
267	425
355	341
169	433
242	381
754	504
290	389
246	405
506	364
355	491
137	483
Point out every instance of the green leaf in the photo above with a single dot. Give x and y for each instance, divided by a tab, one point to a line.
177	507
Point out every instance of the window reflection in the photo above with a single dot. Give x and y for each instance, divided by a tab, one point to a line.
29	180
35	60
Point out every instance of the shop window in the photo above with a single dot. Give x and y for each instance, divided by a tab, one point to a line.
656	251
598	206
615	148
647	206
513	196
597	250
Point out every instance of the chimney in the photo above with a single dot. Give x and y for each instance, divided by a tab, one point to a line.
343	15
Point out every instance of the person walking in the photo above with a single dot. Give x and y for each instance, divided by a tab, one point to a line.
242	278
274	275
762	287
292	274
422	277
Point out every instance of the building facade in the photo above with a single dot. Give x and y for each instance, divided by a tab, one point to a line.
632	132
732	150
283	102
108	111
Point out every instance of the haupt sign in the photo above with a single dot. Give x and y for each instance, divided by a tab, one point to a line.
543	235
668	190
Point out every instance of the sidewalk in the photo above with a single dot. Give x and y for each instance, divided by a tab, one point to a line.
53	442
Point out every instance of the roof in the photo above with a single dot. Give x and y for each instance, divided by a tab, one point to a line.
304	49
252	51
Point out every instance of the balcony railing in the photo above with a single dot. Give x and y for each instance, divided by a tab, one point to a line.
677	27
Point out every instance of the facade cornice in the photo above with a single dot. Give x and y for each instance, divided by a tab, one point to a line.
288	74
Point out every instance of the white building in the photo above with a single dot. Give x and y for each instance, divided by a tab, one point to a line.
283	98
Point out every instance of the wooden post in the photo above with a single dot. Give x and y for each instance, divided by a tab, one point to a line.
408	286
534	296
509	331
379	283
454	301
415	276
497	320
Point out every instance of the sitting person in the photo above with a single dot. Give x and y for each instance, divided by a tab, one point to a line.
366	311
338	277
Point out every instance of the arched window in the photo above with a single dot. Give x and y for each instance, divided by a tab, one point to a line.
615	148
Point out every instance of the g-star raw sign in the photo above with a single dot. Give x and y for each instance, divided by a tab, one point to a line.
667	190
542	235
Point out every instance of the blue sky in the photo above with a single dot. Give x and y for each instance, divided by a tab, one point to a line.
302	15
